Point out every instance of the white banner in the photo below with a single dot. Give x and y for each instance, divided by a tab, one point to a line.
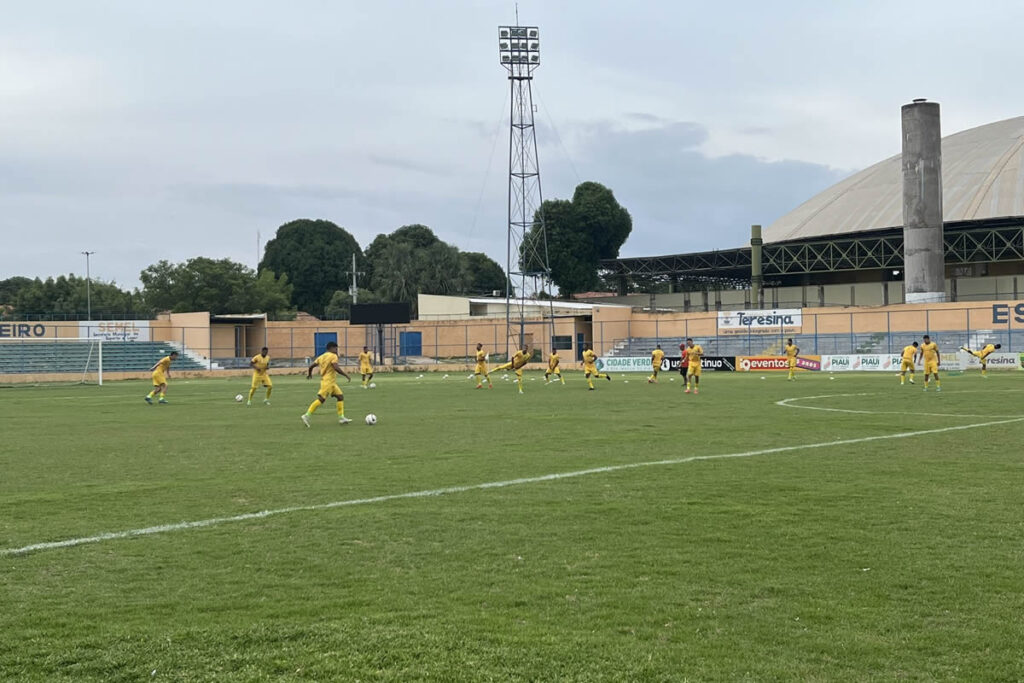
863	362
995	361
625	364
784	320
115	330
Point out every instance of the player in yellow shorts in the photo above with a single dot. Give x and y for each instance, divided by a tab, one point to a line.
656	357
366	366
907	362
792	351
590	367
553	368
929	352
330	368
161	371
260	363
982	355
520	359
480	371
693	354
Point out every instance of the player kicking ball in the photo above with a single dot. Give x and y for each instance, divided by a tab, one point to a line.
330	368
590	367
983	356
161	371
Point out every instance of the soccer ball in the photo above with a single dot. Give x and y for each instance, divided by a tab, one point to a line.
372	385
371	419
239	397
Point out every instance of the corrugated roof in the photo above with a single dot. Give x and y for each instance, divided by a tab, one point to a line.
982	177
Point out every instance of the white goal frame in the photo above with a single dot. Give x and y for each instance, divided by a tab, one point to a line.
95	354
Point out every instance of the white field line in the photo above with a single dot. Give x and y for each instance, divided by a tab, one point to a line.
215	521
788	403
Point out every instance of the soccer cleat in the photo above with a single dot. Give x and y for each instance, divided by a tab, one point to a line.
266	401
148	400
695	392
911	380
964	348
490	386
608	377
343	420
938	388
479	386
248	403
687	390
305	419
926	388
590	388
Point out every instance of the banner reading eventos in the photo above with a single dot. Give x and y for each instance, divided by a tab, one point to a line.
776	363
775	321
115	330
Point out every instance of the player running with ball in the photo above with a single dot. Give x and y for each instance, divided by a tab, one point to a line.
330	368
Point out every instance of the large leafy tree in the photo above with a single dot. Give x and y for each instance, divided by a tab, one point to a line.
316	256
580	233
481	274
219	286
70	294
412	260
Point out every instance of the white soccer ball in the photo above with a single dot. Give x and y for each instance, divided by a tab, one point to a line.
372	385
371	419
239	397
445	377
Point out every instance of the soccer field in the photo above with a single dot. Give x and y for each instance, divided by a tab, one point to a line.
846	529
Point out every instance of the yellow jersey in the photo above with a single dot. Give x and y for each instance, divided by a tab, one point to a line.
589	357
989	348
164	364
260	363
481	357
909	351
791	350
930	351
693	354
553	361
520	359
366	359
326	361
656	357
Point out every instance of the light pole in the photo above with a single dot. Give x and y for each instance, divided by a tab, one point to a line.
88	286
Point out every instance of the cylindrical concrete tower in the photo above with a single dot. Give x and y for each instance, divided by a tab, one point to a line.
924	262
756	275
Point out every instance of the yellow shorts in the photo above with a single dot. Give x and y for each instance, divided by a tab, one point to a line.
693	370
590	369
365	370
159	378
261	378
555	370
481	369
329	389
906	365
792	363
655	368
931	367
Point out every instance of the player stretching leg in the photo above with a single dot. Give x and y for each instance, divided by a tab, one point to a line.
656	356
590	367
553	368
983	355
521	358
161	371
792	351
693	354
260	362
366	366
329	371
907	362
929	351
480	371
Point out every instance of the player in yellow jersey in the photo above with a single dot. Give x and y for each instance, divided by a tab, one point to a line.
929	352
260	362
519	359
982	355
693	353
656	357
590	367
553	369
161	371
366	366
480	371
330	368
792	351
907	362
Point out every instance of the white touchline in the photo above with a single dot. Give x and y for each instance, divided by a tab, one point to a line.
215	521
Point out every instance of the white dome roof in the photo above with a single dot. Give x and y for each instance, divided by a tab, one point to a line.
982	177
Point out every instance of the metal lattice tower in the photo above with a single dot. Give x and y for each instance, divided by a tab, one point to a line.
527	249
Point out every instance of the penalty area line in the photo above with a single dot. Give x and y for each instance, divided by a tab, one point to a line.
216	521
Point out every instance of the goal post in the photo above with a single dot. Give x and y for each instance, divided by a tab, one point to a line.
69	360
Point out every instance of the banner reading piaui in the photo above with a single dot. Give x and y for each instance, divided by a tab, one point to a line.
115	330
774	321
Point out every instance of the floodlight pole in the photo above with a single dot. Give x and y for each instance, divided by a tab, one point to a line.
88	286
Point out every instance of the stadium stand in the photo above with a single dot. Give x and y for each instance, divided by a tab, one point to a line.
42	357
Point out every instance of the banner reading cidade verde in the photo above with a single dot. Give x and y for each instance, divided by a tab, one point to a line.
774	321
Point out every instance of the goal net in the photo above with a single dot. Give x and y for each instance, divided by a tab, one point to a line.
28	361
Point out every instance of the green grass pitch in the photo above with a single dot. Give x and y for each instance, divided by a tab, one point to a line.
873	559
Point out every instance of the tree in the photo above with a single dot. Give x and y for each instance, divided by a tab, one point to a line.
10	287
580	233
412	260
71	294
480	273
340	306
218	286
315	255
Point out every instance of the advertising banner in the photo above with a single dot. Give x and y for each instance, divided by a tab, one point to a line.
995	361
862	362
115	330
707	363
626	364
774	321
776	363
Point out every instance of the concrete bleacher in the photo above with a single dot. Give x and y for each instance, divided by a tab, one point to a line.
39	357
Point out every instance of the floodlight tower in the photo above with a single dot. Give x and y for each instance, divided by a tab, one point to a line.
526	243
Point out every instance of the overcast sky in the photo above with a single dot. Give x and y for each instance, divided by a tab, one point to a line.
146	131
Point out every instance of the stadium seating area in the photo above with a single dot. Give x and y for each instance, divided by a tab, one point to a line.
43	357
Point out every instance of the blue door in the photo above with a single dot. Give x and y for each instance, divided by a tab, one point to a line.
579	346
410	343
320	340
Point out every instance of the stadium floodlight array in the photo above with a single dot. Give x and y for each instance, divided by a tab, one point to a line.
518	45
82	356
